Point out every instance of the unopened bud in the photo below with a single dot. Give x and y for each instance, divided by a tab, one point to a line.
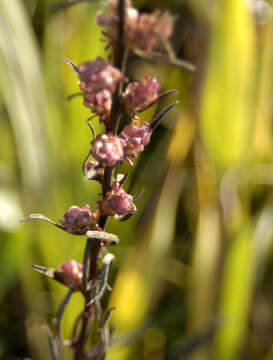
139	95
78	220
107	149
98	75
100	104
136	136
117	202
72	271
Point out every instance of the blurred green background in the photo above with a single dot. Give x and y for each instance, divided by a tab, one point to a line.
194	268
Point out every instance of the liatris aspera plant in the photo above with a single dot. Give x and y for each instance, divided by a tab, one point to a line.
110	95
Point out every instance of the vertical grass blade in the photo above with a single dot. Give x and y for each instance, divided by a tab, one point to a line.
22	89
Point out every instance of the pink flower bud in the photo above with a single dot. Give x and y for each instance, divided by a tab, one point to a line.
72	271
142	31
164	26
98	75
151	28
78	220
138	95
107	149
110	21
117	202
136	136
100	104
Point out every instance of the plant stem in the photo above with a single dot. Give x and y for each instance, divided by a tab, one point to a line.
120	56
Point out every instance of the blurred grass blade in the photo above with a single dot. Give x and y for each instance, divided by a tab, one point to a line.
263	125
65	5
236	295
227	93
23	92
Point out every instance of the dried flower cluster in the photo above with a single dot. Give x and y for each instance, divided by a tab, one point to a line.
142	31
104	88
139	95
117	202
78	220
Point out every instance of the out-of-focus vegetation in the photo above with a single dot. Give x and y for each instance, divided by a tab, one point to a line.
194	270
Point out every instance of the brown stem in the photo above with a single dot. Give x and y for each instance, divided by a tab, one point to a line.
120	56
83	337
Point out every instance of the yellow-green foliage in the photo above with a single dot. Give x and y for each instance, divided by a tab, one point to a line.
211	172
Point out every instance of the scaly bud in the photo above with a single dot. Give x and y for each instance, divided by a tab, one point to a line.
78	220
98	75
142	31
136	136
72	271
151	28
117	202
107	149
100	104
139	95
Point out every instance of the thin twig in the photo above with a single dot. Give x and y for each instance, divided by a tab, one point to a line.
84	163
53	345
41	217
90	125
162	114
122	178
164	59
159	98
138	194
106	264
72	65
51	273
59	316
72	96
86	264
76	326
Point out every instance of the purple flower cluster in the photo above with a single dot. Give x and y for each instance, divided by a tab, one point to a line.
141	31
72	271
100	104
139	95
98	81
78	220
136	136
117	202
98	75
109	150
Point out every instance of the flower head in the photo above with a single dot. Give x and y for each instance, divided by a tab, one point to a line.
110	21
107	149
100	104
142	31
98	75
117	202
136	136
78	220
138	95
151	29
72	271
